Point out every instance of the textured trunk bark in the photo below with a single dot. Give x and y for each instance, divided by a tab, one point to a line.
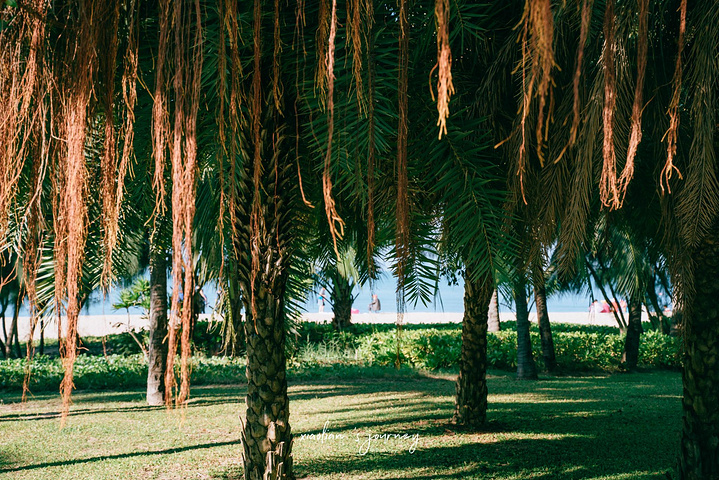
267	436
630	357
493	323
598	282
14	340
656	319
526	368
341	297
235	335
700	433
545	328
42	336
5	350
157	349
471	401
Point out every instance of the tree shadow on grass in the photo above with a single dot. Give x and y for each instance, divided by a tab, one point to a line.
564	458
103	458
201	397
16	417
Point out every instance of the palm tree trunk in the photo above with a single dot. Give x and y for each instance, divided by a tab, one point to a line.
42	336
157	349
267	437
235	338
493	323
630	356
699	457
14	339
526	369
341	296
545	329
471	401
5	350
597	280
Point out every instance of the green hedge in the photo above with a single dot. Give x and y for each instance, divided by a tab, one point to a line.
575	350
362	350
113	372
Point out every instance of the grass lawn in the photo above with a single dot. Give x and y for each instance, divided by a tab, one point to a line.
605	427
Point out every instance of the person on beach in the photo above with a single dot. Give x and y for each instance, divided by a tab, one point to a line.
321	299
375	305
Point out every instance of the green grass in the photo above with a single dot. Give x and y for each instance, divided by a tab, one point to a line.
593	427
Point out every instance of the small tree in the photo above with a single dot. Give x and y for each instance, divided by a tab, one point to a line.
136	296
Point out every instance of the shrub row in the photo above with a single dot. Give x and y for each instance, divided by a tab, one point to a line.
317	350
575	350
112	372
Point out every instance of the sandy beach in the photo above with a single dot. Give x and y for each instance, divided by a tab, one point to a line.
99	325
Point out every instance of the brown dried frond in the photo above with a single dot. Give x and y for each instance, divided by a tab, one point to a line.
526	100
256	217
636	129
354	27
336	223
235	111
537	44
276	78
189	185
108	166
371	151
323	32
32	249
225	12
673	131
81	61
160	116
188	62
21	61
402	240
129	95
586	16
608	188
445	88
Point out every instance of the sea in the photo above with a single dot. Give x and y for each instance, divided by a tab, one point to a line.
448	298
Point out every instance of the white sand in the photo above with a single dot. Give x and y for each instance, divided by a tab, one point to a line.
99	325
583	318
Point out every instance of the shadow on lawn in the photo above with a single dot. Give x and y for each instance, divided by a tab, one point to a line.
102	458
539	458
579	429
14	417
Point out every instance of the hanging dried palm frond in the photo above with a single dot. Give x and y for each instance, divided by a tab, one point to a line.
608	190
110	188
21	58
636	129
538	45
673	131
276	80
236	99
371	152
336	223
402	241
586	16
160	115
323	32
257	225
187	82
81	66
32	251
355	32
445	88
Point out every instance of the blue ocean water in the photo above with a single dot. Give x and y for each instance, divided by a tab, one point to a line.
449	298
